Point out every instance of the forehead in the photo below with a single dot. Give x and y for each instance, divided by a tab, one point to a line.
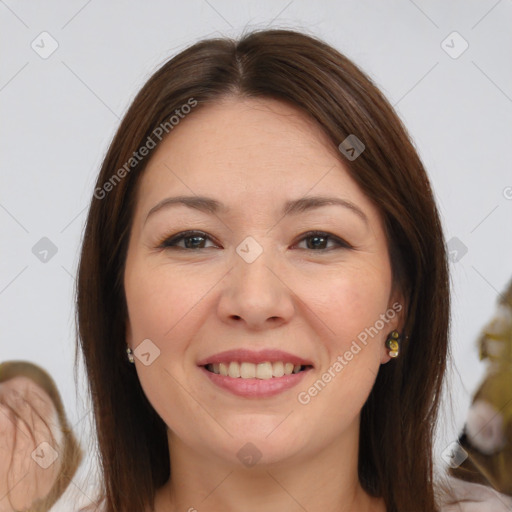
247	152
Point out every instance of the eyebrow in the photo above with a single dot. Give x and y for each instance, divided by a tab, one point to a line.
293	207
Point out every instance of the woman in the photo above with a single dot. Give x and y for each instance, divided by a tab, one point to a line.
264	243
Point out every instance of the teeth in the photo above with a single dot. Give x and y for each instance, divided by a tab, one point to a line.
264	371
234	369
277	369
246	370
288	368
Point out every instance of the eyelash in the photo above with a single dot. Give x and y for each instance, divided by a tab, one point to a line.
170	242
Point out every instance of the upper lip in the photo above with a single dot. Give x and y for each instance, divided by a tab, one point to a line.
256	357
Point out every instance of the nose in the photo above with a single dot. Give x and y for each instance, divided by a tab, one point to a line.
256	293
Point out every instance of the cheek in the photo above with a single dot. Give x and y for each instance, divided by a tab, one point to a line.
161	300
160	308
351	307
348	301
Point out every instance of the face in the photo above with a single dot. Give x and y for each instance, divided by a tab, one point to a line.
252	279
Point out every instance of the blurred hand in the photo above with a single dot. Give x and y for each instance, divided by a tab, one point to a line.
484	428
30	444
469	497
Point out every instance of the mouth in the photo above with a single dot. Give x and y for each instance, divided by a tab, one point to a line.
255	380
263	371
254	374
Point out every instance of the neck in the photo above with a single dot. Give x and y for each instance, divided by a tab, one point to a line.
324	481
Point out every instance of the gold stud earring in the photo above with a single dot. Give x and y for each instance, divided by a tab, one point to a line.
393	343
130	355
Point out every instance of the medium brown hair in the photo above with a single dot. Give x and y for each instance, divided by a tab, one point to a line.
399	418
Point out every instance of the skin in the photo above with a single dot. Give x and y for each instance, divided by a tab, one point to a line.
27	419
192	303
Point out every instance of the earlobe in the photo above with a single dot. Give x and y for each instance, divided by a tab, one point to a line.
384	358
128	333
395	315
397	311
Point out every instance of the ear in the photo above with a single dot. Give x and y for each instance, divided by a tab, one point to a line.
396	313
128	333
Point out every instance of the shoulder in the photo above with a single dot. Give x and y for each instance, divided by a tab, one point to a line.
456	495
98	506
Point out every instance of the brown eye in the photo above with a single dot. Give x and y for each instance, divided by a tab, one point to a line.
192	240
319	240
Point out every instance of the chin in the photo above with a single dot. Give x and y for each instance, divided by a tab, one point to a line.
260	446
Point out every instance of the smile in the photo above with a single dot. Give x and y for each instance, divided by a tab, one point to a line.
264	371
255	381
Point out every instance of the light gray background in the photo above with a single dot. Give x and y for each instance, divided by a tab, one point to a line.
59	114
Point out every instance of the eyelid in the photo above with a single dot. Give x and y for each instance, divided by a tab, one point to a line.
178	237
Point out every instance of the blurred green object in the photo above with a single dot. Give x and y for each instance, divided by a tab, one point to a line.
487	435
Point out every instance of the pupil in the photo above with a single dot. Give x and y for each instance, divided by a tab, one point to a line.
316	238
187	241
192	241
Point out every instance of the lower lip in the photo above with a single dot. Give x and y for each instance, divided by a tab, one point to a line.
255	388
